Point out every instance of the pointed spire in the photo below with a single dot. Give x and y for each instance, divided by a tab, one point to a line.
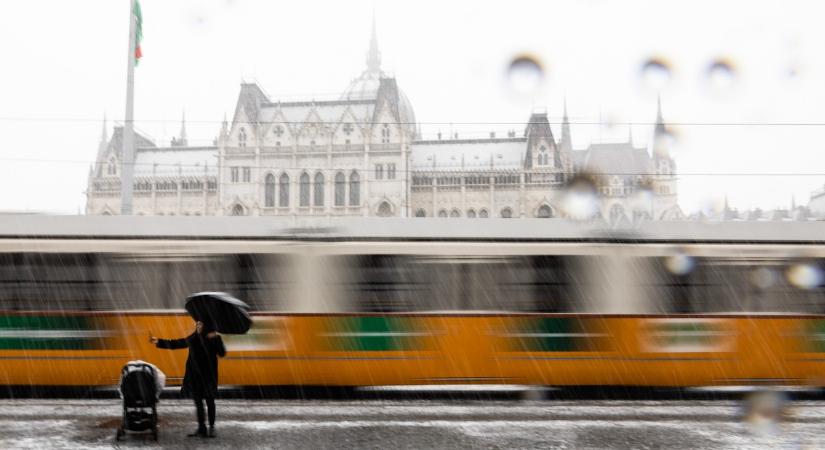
374	55
565	109
661	141
104	135
566	143
182	139
660	121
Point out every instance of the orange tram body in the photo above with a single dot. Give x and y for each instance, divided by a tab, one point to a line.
566	306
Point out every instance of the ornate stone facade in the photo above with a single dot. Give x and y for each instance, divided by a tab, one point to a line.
361	155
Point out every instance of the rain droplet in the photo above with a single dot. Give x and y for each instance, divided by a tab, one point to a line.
580	201
668	142
679	264
525	74
712	207
793	71
609	122
721	75
806	276
656	73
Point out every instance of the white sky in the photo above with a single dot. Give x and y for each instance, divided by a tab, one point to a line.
63	66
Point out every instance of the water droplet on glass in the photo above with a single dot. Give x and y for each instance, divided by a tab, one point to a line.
656	73
642	202
806	276
711	208
721	75
793	72
525	74
580	201
679	264
609	122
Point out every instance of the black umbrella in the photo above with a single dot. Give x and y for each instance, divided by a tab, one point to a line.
220	312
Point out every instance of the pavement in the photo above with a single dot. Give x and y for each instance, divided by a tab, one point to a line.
416	424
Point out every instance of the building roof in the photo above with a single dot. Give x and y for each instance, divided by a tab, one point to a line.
295	113
174	161
116	143
613	158
451	155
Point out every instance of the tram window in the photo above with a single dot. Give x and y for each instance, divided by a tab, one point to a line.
47	281
379	283
553	289
164	281
738	285
668	292
260	280
386	283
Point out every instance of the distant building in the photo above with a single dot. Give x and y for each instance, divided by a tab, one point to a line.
362	155
816	204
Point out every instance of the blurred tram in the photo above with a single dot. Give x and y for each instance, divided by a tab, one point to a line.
357	302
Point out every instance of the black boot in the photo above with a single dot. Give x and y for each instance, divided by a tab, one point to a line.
212	431
200	432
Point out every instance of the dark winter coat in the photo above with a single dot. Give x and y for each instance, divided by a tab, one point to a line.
201	379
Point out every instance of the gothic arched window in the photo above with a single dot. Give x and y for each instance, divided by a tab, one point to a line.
483	214
283	191
385	133
454	213
442	213
420	213
242	138
318	199
237	210
617	213
303	193
506	213
544	212
269	191
354	189
471	213
385	209
340	189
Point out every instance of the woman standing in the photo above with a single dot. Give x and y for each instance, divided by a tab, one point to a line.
201	378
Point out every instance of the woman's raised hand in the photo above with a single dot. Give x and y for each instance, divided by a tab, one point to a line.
153	339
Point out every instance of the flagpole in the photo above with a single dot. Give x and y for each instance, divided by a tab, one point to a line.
128	154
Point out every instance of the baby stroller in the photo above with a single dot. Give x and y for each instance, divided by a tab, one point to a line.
140	386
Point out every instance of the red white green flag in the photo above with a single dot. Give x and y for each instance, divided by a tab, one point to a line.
138	30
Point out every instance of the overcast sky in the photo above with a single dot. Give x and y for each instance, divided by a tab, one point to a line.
64	67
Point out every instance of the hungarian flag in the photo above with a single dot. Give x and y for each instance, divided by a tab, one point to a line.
138	30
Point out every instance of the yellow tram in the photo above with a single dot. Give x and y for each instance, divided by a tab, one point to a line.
399	302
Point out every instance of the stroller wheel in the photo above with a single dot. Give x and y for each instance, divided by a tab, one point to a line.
119	434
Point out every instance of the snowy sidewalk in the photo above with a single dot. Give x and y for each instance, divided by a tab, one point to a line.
412	424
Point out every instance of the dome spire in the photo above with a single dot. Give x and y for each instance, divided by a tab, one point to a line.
373	55
104	134
183	142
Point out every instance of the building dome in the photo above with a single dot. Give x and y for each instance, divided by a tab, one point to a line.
367	85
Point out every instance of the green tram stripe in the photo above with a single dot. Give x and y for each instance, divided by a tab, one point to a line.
547	334
372	334
48	333
816	336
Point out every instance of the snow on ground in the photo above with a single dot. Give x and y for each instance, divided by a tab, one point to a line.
416	424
